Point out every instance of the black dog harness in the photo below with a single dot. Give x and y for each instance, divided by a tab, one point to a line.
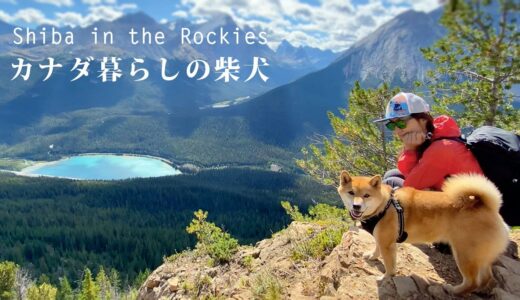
370	223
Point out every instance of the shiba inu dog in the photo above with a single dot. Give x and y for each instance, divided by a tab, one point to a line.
464	214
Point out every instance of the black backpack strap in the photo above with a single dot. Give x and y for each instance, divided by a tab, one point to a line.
459	139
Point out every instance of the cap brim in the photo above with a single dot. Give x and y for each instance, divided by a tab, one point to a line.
382	120
394	117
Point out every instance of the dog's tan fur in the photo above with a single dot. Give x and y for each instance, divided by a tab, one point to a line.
464	214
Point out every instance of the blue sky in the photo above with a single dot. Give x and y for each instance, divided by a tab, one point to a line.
327	24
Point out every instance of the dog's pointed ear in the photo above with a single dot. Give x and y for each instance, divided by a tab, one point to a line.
344	178
375	181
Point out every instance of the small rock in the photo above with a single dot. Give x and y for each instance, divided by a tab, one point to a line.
153	283
438	292
212	272
173	284
329	290
511	250
405	286
510	264
500	294
421	283
255	253
509	280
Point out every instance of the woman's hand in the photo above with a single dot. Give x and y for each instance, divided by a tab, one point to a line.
413	139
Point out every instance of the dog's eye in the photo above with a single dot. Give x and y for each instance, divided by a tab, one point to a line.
351	193
366	195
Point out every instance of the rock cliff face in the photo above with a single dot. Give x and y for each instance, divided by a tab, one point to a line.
267	271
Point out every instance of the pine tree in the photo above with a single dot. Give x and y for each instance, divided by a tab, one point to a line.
65	291
89	288
477	62
7	280
115	282
358	145
44	279
105	288
141	278
43	291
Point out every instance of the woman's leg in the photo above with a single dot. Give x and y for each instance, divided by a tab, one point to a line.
393	173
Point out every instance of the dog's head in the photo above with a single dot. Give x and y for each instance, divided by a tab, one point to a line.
362	196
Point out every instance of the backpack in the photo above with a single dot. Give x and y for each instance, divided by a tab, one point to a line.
498	153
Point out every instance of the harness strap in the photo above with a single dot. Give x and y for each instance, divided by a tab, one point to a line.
370	223
403	235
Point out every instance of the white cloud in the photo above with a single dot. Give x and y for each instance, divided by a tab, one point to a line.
27	15
127	6
425	5
97	2
180	14
58	3
69	18
95	13
333	24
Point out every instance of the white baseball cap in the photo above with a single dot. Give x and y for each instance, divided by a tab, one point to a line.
403	105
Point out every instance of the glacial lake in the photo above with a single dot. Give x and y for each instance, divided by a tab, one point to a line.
103	167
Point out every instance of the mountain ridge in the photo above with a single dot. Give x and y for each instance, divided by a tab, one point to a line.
275	120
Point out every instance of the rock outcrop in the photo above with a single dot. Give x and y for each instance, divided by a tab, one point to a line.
269	271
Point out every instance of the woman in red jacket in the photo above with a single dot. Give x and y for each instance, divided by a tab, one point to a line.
430	154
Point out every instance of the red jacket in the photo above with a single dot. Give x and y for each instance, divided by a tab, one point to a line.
441	159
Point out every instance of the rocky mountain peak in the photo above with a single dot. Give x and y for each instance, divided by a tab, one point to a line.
140	18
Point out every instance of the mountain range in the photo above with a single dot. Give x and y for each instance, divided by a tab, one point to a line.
285	68
206	122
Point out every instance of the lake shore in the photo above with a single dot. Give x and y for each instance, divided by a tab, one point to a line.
33	166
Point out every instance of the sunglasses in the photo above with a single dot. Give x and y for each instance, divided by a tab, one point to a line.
400	123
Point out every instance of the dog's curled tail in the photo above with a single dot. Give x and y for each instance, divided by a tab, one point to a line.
470	190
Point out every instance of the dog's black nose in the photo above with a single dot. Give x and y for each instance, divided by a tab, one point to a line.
356	207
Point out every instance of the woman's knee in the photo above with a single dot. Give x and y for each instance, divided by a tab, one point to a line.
394	182
393	173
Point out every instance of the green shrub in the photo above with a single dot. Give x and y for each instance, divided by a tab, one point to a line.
320	242
211	240
320	213
7	280
293	211
247	262
44	291
266	286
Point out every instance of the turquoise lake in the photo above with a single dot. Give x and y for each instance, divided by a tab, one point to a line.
103	167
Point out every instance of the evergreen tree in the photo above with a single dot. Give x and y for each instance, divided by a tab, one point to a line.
477	62
65	292
89	288
103	282
359	145
44	279
43	291
211	239
115	282
141	278
7	280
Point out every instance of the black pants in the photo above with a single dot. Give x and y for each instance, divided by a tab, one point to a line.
394	178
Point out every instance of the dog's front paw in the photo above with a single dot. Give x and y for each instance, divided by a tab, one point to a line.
370	255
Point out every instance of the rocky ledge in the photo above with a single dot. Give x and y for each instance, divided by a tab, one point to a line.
268	271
